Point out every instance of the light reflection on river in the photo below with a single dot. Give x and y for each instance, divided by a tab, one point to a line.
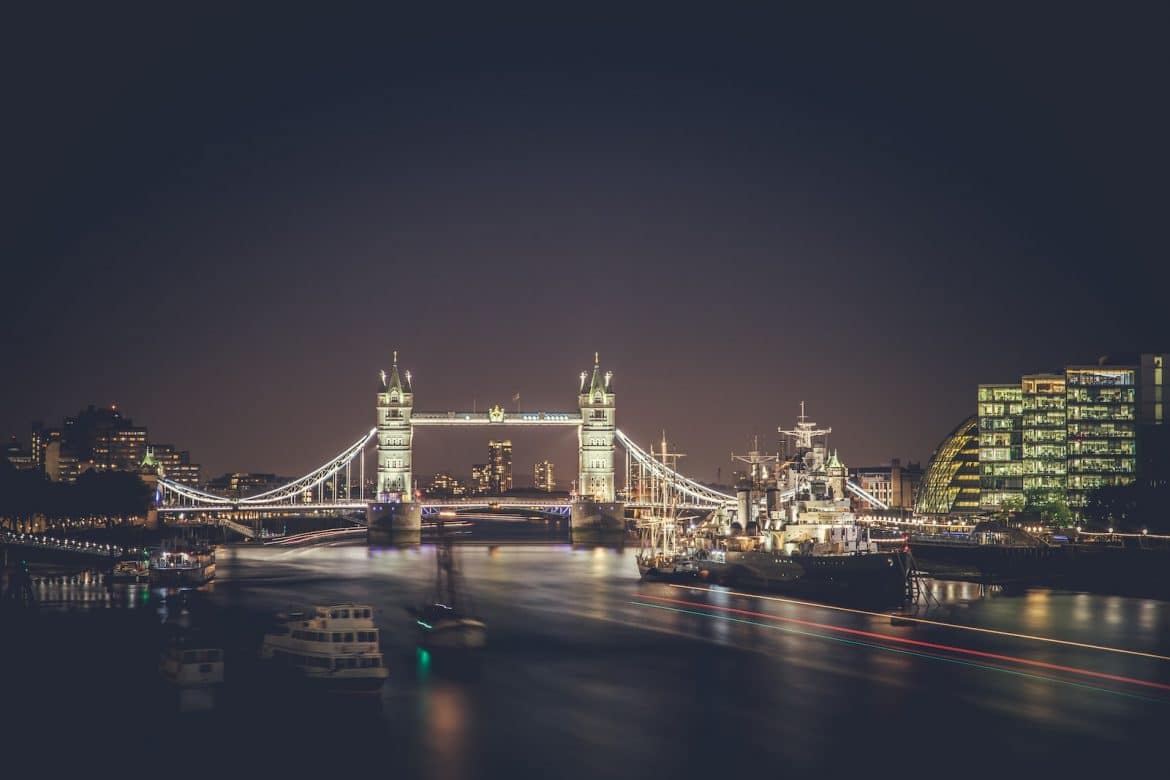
581	681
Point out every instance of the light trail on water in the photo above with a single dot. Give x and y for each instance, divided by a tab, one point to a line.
942	624
911	642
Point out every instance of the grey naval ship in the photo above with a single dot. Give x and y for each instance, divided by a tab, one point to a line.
795	530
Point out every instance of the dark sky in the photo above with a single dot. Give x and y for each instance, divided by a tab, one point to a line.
225	221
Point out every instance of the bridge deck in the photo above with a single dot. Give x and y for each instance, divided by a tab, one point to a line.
500	418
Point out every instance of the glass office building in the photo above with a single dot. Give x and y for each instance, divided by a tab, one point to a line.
1001	467
1044	450
951	482
1101	413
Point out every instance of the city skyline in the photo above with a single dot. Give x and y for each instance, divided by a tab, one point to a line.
873	216
457	450
471	392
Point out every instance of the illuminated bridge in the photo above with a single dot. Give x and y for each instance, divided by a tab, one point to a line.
650	481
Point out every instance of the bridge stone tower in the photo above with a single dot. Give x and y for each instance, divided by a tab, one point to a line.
596	516
395	515
596	401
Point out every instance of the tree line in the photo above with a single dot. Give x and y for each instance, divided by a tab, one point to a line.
25	494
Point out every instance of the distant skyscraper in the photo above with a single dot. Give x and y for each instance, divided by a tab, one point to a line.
176	465
120	449
542	477
500	465
446	485
481	478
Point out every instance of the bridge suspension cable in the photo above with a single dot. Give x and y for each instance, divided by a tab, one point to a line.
702	495
288	492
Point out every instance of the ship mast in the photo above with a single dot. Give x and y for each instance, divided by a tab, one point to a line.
805	431
747	489
757	460
670	461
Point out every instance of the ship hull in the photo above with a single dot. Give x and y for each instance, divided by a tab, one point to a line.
879	577
453	634
182	577
667	573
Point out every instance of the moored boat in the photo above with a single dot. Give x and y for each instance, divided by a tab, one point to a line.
185	567
813	545
661	555
130	570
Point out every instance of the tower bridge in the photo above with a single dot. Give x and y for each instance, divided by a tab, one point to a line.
596	509
595	512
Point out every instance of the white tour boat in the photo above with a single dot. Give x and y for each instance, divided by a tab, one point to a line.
336	647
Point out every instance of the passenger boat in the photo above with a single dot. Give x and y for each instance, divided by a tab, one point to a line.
447	622
813	544
193	669
336	648
186	566
190	664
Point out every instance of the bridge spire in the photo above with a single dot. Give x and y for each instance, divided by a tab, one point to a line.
394	382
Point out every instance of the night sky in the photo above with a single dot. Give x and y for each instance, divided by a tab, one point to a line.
226	221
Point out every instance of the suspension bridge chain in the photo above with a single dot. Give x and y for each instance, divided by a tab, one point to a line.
700	495
288	492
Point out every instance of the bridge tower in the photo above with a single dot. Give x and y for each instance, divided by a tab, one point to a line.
395	515
596	516
596	401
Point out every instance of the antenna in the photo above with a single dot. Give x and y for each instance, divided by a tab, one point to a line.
804	431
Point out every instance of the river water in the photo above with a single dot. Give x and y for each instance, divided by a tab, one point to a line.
590	673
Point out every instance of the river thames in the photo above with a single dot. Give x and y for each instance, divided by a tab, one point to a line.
591	673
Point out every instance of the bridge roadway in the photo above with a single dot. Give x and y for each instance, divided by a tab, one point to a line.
499	417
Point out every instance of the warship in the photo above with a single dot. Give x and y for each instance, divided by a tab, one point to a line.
804	538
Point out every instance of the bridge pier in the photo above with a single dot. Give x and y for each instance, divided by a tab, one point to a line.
394	523
596	522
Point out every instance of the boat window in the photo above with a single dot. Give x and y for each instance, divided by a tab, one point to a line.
334	613
336	637
349	636
213	655
188	656
345	613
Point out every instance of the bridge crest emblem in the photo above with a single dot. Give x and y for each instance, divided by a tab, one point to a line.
496	414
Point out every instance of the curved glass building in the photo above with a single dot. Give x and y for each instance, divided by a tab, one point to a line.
951	482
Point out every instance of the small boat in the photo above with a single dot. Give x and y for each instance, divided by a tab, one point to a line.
447	622
130	570
336	648
193	669
182	566
190	664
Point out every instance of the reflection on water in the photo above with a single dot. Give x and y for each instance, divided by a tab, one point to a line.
591	673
